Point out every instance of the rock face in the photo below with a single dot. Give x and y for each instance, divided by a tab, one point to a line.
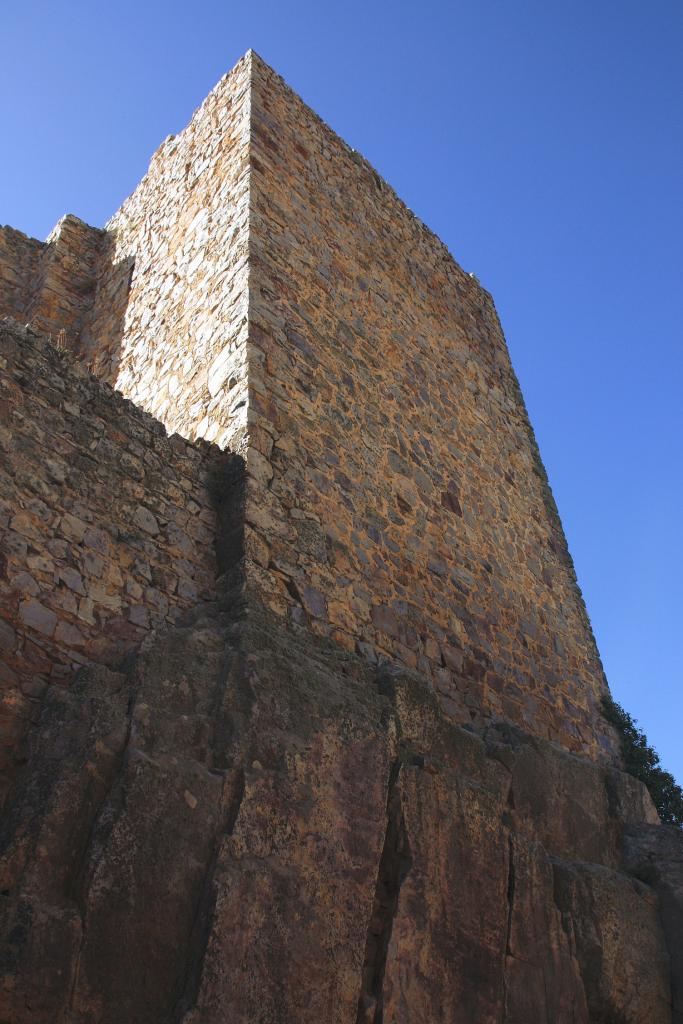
52	285
300	710
248	824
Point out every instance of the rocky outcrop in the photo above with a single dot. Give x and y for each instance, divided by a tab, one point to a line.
655	855
249	824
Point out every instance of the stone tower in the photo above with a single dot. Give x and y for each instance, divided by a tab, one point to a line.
301	703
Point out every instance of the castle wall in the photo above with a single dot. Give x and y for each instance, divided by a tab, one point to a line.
62	290
51	284
170	319
397	498
106	524
265	290
19	257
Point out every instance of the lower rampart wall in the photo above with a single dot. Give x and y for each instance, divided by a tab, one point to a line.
107	525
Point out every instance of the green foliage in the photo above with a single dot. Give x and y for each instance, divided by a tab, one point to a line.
642	761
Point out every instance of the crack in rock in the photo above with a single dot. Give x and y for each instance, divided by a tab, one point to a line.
394	866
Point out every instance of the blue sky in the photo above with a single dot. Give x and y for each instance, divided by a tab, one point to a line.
543	142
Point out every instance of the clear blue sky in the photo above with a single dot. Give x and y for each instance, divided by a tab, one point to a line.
542	140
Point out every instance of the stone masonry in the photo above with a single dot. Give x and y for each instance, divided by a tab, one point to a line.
264	290
51	285
313	673
398	494
107	525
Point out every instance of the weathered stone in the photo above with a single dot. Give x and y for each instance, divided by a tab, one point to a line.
35	615
314	601
73	579
324	805
146	520
385	621
654	853
72	527
69	635
8	637
66	598
25	584
620	946
258	466
452	658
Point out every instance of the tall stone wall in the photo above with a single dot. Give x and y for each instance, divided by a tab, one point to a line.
107	526
400	504
170	319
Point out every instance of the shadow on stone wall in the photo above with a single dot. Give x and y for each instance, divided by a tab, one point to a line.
227	489
99	344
